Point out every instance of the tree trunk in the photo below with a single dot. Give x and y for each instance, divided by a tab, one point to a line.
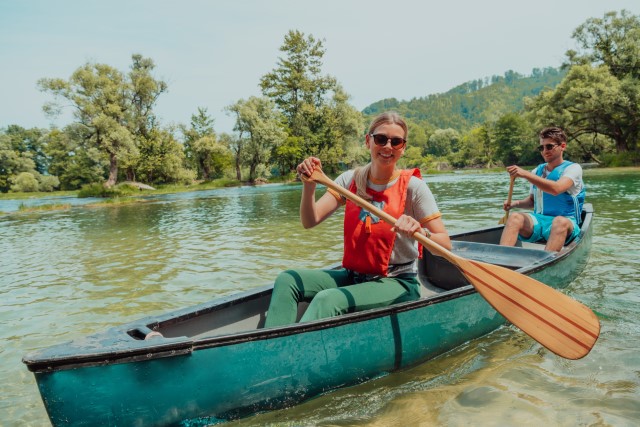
621	145
206	170
113	171
252	172
238	172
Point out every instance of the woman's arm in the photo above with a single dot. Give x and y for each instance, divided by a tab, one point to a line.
312	211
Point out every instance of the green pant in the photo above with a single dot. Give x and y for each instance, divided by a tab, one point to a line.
334	292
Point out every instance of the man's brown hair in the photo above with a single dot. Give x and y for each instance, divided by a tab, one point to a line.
554	133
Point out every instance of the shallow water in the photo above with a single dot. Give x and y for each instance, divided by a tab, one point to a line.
65	274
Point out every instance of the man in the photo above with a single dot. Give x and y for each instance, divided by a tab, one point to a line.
556	196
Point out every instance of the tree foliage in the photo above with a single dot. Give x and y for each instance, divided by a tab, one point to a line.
613	40
73	158
601	92
115	108
319	121
473	103
208	156
259	126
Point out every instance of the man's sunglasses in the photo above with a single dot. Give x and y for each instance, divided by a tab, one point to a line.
382	139
547	147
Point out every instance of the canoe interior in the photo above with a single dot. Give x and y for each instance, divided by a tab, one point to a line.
436	276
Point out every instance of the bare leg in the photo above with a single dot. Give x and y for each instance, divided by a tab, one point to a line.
518	223
560	229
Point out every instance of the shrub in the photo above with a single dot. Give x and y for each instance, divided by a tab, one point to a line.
98	190
48	183
24	182
614	160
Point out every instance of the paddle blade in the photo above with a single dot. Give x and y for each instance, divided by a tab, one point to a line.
503	220
558	322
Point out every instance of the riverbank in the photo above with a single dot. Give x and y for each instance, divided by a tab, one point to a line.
139	195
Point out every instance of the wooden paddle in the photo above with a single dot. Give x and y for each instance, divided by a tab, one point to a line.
503	220
561	324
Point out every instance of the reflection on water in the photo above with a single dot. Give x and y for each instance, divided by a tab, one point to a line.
65	274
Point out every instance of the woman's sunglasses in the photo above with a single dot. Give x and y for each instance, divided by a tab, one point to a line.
547	147
381	140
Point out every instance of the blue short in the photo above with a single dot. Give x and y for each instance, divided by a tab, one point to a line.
542	228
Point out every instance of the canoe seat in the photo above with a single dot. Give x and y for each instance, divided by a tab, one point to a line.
439	272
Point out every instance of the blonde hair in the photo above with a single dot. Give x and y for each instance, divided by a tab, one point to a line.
361	174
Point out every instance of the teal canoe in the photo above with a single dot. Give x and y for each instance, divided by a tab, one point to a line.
215	362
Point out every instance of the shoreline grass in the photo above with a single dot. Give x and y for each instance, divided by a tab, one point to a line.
47	207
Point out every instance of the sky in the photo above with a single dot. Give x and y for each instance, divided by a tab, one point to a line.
213	53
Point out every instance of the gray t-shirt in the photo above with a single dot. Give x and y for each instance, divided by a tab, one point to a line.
420	204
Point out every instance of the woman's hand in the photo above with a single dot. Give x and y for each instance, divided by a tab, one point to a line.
406	225
308	165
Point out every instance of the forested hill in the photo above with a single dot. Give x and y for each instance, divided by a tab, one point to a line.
474	102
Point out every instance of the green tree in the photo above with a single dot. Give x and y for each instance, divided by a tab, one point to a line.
144	91
162	159
512	138
339	127
236	144
297	82
98	94
29	141
258	124
115	108
208	155
613	40
319	120
417	136
413	158
591	101
476	148
601	93
21	155
73	158
443	142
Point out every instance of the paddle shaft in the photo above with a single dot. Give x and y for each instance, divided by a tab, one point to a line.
561	324
506	215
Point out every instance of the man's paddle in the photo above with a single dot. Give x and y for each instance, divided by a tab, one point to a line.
561	324
503	220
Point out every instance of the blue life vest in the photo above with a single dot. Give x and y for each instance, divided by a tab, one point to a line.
561	205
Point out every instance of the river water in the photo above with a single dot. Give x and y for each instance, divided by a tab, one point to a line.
69	273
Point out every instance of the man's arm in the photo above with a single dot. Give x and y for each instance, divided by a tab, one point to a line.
548	186
526	203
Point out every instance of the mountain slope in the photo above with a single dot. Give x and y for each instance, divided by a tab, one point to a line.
474	102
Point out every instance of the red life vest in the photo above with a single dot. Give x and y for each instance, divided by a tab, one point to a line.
368	240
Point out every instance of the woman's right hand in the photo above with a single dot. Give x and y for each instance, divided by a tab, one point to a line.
308	165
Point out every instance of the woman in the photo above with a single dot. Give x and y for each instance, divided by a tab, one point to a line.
379	261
